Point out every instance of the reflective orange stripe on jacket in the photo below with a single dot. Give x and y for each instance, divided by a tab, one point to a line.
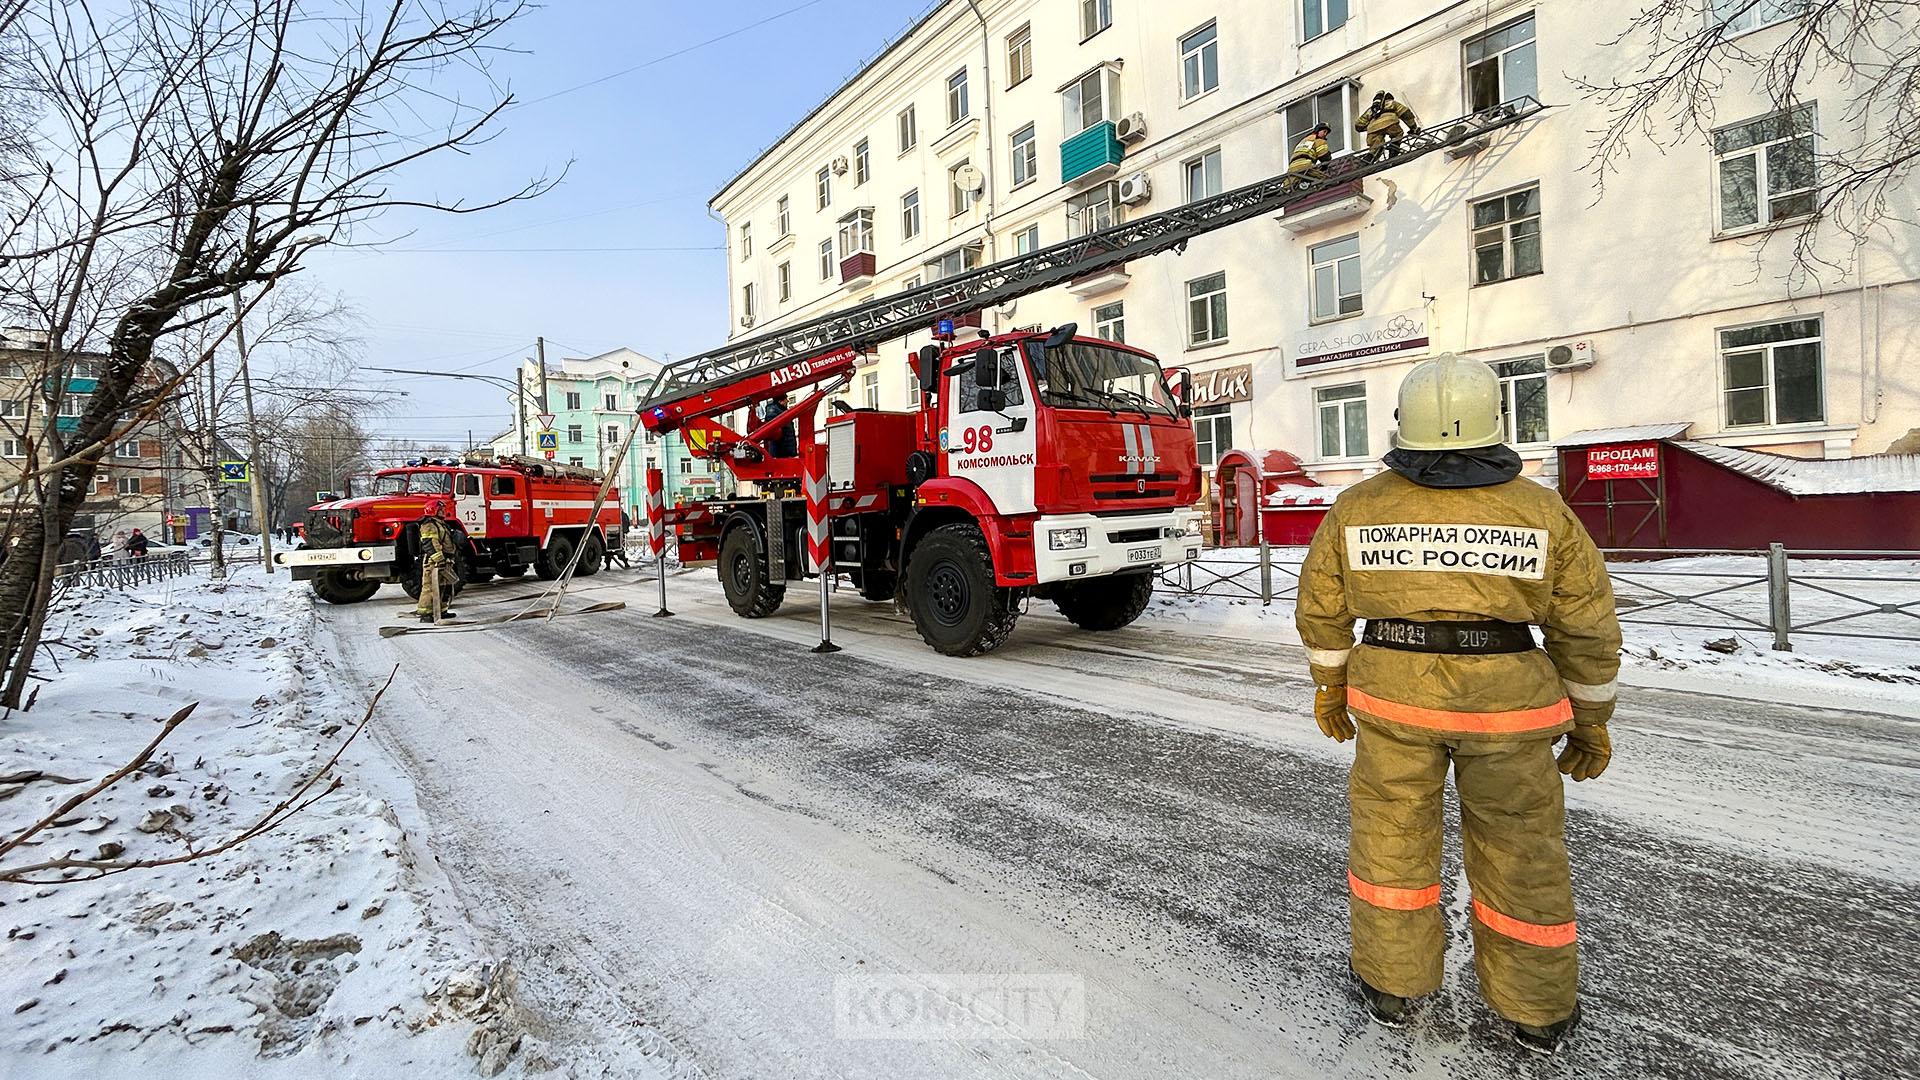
1547	937
1385	896
1465	723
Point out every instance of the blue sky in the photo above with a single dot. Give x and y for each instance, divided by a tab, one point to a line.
648	149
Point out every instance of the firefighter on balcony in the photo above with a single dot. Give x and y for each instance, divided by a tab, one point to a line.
436	562
1384	122
1310	156
1451	560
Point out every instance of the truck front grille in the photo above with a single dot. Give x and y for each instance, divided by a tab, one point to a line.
329	528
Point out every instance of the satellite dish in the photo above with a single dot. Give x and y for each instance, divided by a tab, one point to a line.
970	179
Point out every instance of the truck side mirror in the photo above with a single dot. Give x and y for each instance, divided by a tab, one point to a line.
927	367
1180	381
989	376
987	400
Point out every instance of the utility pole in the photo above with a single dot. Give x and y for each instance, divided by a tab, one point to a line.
520	395
254	457
540	350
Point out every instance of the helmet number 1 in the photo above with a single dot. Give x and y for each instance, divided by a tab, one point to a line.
976	440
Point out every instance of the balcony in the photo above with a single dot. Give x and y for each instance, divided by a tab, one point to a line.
856	270
1336	203
1094	154
1100	282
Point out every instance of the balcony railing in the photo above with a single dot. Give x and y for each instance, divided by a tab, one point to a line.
1094	149
858	266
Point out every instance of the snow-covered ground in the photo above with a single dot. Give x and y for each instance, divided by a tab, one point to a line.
328	947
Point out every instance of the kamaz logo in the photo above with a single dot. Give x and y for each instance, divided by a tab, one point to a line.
1136	459
791	372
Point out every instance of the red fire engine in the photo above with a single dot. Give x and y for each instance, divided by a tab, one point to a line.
508	514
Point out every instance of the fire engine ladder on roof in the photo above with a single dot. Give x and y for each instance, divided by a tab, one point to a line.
892	317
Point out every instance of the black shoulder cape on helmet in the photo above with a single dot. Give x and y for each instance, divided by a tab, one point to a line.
1480	467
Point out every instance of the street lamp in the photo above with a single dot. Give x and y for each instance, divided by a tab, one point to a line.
518	386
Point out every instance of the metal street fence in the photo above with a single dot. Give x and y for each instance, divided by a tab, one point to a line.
124	573
1779	592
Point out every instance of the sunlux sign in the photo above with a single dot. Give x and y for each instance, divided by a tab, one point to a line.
1359	341
1640	461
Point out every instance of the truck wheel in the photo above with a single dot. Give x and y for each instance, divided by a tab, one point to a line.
957	608
337	588
877	585
743	576
553	561
511	572
1107	603
593	557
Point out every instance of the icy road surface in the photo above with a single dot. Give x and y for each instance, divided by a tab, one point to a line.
684	830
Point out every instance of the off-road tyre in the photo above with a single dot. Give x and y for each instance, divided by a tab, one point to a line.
956	606
512	572
1106	603
878	585
744	578
553	559
450	583
593	557
336	587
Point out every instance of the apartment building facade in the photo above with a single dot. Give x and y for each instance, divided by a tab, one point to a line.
974	138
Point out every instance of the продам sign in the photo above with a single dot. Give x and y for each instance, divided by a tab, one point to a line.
1638	462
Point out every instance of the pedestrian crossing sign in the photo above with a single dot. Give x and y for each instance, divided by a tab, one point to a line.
234	472
549	440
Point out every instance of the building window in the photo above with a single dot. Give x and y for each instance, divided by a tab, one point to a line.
746	303
960	199
613	435
1766	170
1736	17
856	233
1020	56
870	389
908	126
1093	209
612	402
1523	400
128	449
1110	322
1026	157
128	485
576	462
1773	374
1332	106
910	284
1500	65
73	404
1200	62
573	400
957	108
783	216
574	434
862	162
1095	16
823	188
1207	310
958	261
784	274
1321	17
13	448
1335	267
1506	236
686	466
746	240
910	215
826	259
1343	420
1203	176
1091	99
1213	432
1027	240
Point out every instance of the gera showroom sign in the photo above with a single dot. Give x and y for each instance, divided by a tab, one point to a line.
1225	386
1359	341
1641	461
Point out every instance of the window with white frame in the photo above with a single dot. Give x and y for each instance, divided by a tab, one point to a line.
746	303
1027	240
1343	420
784	275
1020	56
746	240
13	407
575	434
960	200
613	435
1095	16
577	462
1523	400
826	259
1202	176
1332	106
1110	322
1321	17
1506	236
907	124
783	216
612	402
573	400
870	389
13	448
1335	270
1026	157
823	188
958	261
1207	310
1200	62
129	448
1766	170
1212	432
1736	17
1093	209
1501	65
957	106
856	233
1091	99
73	404
910	284
862	162
1771	374
910	215
128	485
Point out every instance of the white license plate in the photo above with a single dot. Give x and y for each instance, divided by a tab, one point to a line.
1151	554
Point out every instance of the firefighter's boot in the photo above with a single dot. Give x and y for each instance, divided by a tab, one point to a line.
1387	1010
1546	1041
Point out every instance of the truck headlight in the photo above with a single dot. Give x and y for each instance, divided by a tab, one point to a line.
1066	539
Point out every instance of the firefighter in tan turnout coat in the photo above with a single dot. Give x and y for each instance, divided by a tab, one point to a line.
1452	559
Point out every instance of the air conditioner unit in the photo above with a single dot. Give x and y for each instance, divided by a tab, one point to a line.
1571	356
1131	128
1136	189
840	166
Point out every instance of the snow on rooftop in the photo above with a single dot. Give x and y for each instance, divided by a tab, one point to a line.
1303	496
1640	433
1878	473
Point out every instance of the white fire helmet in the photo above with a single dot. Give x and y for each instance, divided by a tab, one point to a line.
1449	403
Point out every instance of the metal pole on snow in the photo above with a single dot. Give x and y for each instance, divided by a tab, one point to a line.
657	533
819	542
1779	607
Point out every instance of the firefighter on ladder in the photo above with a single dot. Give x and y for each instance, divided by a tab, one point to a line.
1310	156
436	562
1384	122
1451	559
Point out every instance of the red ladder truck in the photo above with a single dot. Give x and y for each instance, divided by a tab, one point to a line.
1050	466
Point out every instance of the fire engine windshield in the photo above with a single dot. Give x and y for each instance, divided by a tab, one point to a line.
1082	375
420	483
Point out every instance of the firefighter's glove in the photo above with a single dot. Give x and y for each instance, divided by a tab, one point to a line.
1588	750
1413	129
1330	702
